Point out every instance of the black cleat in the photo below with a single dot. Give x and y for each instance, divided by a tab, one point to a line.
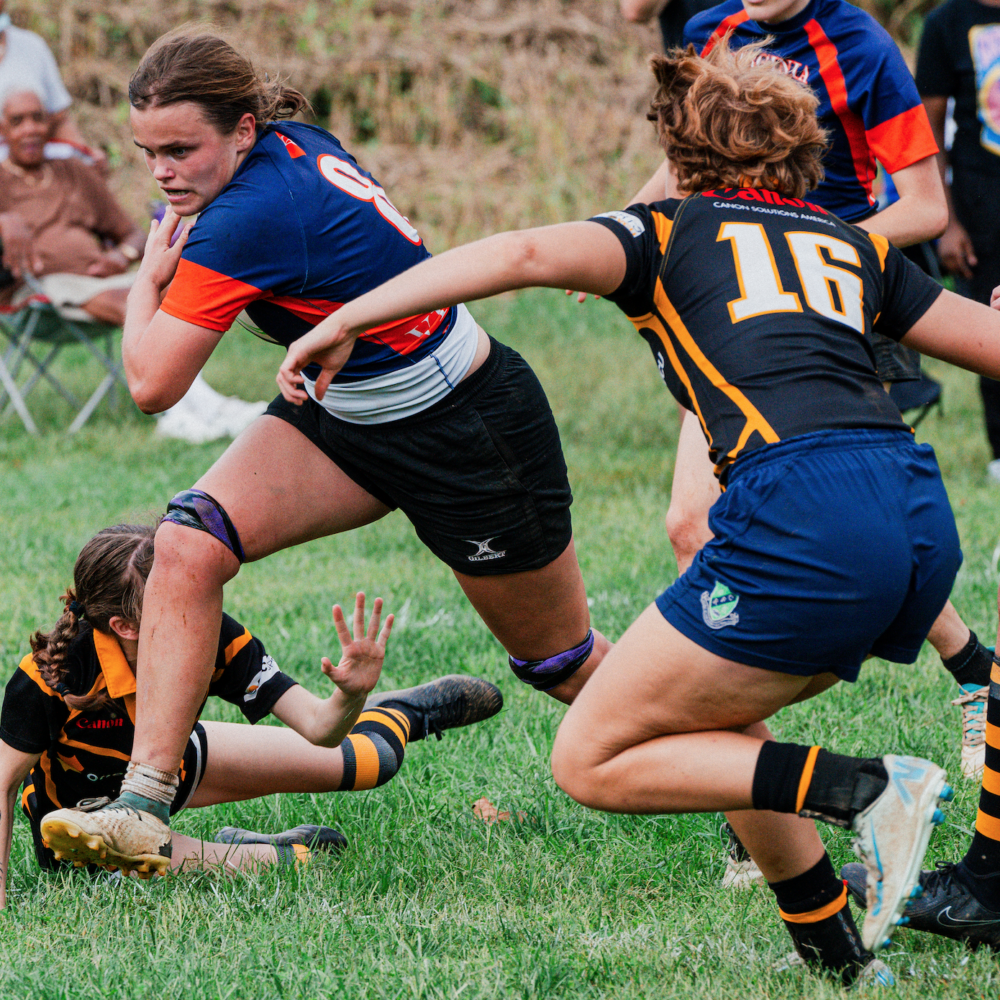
945	906
316	838
447	703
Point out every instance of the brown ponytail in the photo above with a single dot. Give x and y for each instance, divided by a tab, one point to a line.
206	70
109	579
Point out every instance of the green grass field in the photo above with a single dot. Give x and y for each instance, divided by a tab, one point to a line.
429	901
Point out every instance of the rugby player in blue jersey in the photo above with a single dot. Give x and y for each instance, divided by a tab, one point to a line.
833	539
429	415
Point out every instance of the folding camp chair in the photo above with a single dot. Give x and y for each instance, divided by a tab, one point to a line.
37	333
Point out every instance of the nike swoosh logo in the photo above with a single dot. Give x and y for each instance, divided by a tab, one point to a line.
945	919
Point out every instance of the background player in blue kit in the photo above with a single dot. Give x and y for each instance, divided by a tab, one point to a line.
758	306
429	415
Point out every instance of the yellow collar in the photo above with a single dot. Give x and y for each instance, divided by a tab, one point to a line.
118	674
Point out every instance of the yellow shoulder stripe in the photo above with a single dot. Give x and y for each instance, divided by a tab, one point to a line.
29	666
881	245
236	645
663	227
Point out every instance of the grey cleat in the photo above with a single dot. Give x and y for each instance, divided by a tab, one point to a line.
447	703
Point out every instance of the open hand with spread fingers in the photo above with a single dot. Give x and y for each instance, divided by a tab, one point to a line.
361	658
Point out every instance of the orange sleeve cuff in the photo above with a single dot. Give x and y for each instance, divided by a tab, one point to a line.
904	140
206	298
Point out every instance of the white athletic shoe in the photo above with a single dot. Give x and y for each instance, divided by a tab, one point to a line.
973	706
741	870
203	415
891	839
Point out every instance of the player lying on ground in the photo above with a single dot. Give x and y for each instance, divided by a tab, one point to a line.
758	307
431	415
68	721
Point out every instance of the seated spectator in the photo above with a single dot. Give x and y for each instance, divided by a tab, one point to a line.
26	61
58	220
61	224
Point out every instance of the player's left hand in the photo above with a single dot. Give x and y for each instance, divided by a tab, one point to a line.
329	344
995	298
360	664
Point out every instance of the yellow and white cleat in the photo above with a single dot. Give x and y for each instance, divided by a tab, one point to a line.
113	836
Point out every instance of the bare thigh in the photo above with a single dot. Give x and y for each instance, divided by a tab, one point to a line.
246	762
659	727
535	614
279	490
693	491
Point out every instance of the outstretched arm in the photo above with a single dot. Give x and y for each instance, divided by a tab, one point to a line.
325	722
960	331
14	768
581	255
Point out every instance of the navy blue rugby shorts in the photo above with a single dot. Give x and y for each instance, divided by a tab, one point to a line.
827	547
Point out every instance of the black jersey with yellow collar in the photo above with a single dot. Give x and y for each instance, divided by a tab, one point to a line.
759	311
84	754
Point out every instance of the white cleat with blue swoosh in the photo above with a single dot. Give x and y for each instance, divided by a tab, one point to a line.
892	835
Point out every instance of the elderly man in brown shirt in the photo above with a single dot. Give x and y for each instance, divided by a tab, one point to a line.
59	221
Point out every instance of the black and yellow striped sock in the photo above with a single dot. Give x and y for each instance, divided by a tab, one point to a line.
814	908
982	861
373	749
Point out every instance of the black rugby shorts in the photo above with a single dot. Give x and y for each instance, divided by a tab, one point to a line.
480	474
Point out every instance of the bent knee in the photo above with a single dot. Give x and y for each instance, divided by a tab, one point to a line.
178	548
578	774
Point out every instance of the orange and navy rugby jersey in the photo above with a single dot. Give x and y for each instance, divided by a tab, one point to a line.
868	101
84	754
759	311
298	231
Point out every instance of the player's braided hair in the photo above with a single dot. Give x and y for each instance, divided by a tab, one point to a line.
734	119
200	67
109	579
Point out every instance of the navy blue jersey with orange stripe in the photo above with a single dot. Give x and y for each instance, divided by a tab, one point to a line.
84	754
868	101
298	231
759	311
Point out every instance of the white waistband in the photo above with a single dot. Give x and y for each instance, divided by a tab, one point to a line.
409	390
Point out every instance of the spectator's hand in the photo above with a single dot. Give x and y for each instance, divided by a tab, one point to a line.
955	249
111	262
17	245
160	259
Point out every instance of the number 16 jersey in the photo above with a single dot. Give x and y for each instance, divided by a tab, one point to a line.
759	311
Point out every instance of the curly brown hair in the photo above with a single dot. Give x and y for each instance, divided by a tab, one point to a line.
109	579
733	119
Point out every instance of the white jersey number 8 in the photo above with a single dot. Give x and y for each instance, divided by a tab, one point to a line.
344	175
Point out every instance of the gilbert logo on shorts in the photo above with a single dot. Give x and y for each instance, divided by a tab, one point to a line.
485	553
719	608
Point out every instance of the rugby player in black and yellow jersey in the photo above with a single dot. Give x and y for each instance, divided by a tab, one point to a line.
833	540
68	722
